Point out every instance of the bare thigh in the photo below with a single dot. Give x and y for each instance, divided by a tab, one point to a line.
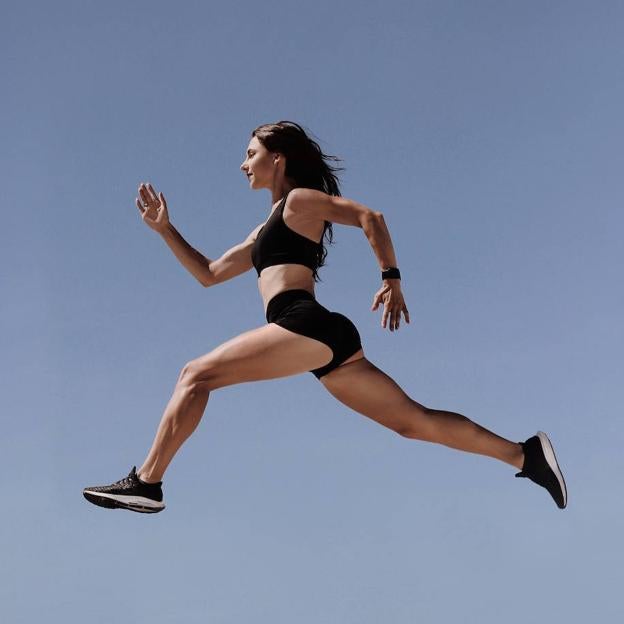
369	391
267	352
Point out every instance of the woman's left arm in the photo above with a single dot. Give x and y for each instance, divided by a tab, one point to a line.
389	294
319	205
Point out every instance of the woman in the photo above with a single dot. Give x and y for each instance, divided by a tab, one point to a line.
301	335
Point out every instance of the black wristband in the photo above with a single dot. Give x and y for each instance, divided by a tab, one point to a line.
391	273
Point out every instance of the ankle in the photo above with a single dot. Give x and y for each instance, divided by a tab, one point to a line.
517	458
147	477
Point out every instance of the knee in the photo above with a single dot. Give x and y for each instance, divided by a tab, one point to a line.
419	425
405	432
197	378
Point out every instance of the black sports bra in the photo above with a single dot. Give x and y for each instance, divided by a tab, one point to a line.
276	243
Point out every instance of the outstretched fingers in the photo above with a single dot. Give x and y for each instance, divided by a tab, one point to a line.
148	197
393	313
394	305
153	207
137	201
152	192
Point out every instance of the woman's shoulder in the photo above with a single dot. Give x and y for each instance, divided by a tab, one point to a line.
306	202
301	194
301	212
313	204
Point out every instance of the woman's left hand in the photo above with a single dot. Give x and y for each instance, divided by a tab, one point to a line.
392	297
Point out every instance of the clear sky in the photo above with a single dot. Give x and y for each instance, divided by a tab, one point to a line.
489	134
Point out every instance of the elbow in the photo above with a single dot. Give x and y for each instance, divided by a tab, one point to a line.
369	217
206	277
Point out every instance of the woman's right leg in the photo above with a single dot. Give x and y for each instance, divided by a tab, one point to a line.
368	390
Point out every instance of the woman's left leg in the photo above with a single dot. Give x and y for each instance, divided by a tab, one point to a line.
368	390
268	352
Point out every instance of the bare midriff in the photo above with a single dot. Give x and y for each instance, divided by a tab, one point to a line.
279	277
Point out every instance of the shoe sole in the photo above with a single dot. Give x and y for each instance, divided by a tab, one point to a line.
549	454
131	503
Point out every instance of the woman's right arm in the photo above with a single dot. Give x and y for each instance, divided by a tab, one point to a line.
208	272
193	260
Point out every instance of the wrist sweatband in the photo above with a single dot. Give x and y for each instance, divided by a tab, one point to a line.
391	273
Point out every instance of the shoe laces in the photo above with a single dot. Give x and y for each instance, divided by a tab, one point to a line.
127	481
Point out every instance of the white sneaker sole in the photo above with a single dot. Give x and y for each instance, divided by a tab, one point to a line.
120	501
549	454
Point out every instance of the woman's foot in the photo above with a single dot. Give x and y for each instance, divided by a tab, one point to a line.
541	467
128	493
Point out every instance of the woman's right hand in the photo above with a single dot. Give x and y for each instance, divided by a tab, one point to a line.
153	208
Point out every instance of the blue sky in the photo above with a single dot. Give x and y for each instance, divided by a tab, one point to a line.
489	135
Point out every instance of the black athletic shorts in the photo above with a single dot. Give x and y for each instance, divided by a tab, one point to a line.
298	311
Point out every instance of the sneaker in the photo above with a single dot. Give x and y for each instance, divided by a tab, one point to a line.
540	465
128	493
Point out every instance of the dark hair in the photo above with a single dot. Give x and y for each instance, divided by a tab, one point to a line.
306	166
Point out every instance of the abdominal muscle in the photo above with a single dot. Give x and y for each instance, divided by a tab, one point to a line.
277	278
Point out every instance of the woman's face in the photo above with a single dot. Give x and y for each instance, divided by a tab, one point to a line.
260	165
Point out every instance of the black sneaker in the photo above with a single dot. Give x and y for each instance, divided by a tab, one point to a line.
128	493
540	465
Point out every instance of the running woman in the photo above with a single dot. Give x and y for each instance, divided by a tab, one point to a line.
301	335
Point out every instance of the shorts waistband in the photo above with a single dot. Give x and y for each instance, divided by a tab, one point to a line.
285	298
